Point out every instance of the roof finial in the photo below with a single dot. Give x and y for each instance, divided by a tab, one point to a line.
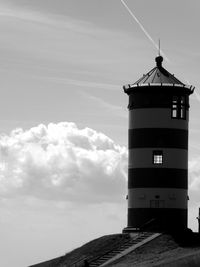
159	58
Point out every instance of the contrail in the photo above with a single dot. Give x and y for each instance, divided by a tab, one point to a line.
196	95
143	29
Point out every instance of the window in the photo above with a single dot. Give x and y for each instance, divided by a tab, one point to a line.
157	157
157	204
175	107
179	107
183	108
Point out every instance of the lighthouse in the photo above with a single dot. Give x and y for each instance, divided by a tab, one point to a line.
158	151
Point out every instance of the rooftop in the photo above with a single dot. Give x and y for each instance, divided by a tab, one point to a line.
158	76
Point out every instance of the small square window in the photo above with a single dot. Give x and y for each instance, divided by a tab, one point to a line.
157	157
157	204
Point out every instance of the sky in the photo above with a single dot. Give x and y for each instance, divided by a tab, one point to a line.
64	118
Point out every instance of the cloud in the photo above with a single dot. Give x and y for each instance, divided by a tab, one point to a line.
117	110
62	162
82	83
33	16
194	181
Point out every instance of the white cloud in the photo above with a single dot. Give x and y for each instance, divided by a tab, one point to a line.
33	16
107	105
62	162
82	83
194	181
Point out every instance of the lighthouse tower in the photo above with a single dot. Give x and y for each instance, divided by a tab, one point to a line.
158	151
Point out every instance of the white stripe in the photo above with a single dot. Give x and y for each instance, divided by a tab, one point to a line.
155	118
142	197
172	158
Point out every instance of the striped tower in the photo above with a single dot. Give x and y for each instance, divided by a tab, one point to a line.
158	151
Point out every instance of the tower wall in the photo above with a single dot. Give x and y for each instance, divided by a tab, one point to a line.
158	157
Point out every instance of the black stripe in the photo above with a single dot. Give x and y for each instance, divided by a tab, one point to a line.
157	177
166	218
158	137
154	99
